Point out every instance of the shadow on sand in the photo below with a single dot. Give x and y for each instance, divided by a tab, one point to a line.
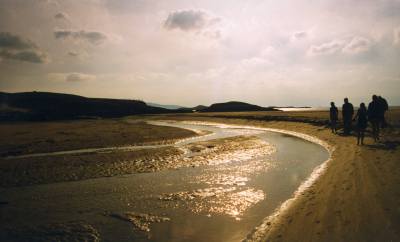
385	145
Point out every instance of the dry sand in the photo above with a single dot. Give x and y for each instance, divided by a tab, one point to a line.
357	198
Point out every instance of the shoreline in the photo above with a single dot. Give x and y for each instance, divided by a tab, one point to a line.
355	199
259	231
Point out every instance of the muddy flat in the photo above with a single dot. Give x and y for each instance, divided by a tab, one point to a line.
219	187
38	137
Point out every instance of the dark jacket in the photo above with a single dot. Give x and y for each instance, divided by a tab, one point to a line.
362	120
347	111
375	110
333	114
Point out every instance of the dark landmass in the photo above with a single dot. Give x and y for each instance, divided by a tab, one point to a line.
234	106
199	107
41	106
47	106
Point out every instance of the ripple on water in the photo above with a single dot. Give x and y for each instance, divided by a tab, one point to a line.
140	221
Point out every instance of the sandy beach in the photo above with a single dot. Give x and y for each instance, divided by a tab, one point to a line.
357	198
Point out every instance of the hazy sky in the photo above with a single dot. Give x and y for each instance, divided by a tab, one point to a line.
189	52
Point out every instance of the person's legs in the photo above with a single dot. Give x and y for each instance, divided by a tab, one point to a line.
375	125
384	124
333	126
347	125
362	136
378	130
358	137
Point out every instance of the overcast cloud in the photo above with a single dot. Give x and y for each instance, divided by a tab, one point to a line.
201	52
14	47
92	37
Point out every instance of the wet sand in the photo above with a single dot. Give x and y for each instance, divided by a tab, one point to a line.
218	202
357	198
74	167
37	137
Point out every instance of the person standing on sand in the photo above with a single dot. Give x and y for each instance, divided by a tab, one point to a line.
375	116
385	107
362	122
347	114
333	116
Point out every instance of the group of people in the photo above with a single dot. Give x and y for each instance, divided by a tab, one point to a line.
375	114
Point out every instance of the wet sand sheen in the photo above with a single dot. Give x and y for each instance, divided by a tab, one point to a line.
220	202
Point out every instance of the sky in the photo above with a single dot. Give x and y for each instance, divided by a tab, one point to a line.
191	52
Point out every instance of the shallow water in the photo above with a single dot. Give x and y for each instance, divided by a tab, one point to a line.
221	202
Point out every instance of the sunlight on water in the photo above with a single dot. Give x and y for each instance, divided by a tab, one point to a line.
225	180
216	190
236	204
219	200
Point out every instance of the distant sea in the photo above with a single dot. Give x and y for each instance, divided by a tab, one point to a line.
304	109
321	109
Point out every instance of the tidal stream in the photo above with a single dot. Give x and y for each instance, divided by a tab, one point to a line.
221	202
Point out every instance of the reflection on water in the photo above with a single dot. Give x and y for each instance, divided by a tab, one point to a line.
235	204
218	200
222	202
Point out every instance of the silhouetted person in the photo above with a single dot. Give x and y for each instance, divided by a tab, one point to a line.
385	108
333	117
362	122
375	112
347	114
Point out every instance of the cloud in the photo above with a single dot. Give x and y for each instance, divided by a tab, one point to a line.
10	41
357	45
215	34
14	47
71	77
78	77
189	20
396	36
78	54
326	48
93	37
129	6
61	16
32	56
354	46
73	53
299	35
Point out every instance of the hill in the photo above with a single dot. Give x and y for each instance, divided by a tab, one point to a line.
199	108
235	107
36	106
